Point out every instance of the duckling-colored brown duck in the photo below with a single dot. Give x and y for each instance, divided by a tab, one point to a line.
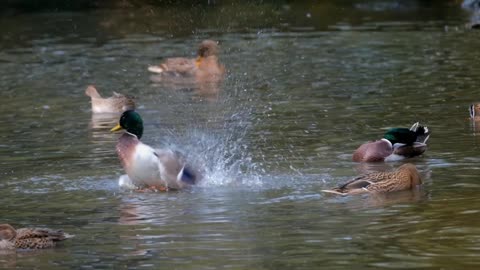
404	178
204	68
117	103
29	238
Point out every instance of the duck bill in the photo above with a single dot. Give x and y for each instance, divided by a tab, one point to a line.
198	61
116	128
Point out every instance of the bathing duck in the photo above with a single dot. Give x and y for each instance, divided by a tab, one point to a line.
204	68
29	238
117	103
404	178
396	144
148	168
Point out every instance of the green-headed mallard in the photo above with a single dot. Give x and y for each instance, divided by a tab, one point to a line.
204	68
117	103
156	169
404	178
29	238
396	144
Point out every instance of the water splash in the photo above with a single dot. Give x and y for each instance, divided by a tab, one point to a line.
225	158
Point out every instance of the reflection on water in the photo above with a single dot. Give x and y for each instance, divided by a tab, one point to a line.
307	83
102	122
203	91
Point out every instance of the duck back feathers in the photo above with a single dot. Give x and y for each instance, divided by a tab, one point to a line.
117	103
30	238
404	178
416	133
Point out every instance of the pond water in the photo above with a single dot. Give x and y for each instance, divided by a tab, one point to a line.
306	85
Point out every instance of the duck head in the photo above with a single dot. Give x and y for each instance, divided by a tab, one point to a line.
7	232
207	48
130	121
400	135
412	171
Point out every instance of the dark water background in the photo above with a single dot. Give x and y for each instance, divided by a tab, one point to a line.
307	83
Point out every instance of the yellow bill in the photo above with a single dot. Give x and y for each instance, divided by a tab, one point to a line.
116	128
198	61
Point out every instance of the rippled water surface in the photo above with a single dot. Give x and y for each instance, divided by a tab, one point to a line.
306	84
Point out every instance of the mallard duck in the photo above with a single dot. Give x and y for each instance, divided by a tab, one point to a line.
396	144
404	178
29	238
474	110
204	68
148	168
117	103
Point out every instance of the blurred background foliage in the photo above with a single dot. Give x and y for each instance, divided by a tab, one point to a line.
72	5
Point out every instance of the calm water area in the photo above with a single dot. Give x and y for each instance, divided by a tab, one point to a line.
307	83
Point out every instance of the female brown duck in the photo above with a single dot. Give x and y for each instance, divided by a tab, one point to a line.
404	178
29	238
117	103
204	68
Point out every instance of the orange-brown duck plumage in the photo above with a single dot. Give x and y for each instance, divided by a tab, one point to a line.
404	178
204	68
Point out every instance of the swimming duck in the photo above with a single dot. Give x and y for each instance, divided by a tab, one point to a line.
148	168
204	68
404	178
474	110
117	103
29	238
396	144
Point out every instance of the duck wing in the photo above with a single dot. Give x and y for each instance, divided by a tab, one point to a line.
373	151
34	238
411	150
422	133
174	169
178	66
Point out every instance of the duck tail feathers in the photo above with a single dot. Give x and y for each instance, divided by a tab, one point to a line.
67	235
187	176
331	191
422	132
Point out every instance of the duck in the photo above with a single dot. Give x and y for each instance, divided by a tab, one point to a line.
29	238
474	110
117	103
204	68
148	168
396	144
406	177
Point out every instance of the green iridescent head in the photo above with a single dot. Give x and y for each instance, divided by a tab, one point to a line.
400	135
132	122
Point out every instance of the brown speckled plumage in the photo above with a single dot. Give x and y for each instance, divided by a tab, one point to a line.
404	178
117	103
29	238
